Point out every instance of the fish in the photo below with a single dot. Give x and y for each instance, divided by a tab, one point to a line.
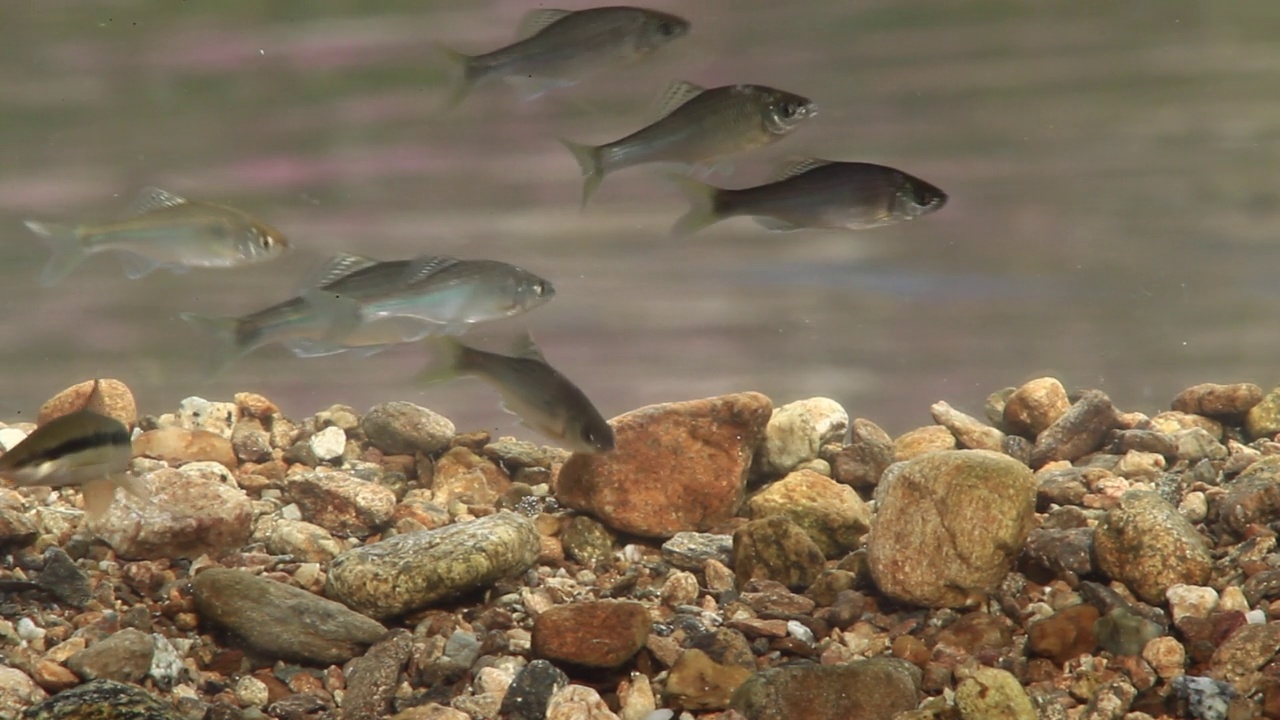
814	193
545	400
161	230
697	125
355	302
84	448
559	48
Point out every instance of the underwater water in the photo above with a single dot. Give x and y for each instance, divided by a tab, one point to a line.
1111	171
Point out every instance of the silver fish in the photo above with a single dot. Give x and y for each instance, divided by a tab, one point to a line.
161	229
558	48
814	193
697	125
543	399
84	448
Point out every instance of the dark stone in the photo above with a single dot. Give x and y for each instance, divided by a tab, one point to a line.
531	691
102	700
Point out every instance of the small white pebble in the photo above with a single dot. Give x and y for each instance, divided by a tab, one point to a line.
329	443
290	511
1255	617
800	631
29	631
10	437
663	714
633	553
251	691
1194	506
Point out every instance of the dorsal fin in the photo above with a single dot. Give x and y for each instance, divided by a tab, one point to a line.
675	94
535	20
94	401
336	268
523	346
799	166
425	266
150	199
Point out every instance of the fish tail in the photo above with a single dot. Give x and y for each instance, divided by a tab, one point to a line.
591	161
704	207
68	251
231	339
445	362
464	74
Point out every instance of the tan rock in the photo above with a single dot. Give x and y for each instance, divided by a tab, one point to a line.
696	682
1032	408
832	514
179	446
117	401
1145	543
914	443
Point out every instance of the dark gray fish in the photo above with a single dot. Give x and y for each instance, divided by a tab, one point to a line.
558	48
813	193
696	125
543	399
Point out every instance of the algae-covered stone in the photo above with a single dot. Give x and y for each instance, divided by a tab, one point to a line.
1263	419
103	700
776	549
1145	543
831	513
993	694
411	571
875	689
949	525
587	541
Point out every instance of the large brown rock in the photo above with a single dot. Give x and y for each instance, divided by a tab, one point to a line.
676	466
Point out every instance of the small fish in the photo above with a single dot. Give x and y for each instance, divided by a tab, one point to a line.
537	393
696	125
357	302
162	230
813	193
84	448
559	48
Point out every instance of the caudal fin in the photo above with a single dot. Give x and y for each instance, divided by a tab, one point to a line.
66	247
589	159
228	338
702	206
463	76
445	361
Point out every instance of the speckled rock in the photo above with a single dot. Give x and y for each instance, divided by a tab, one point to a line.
676	467
66	580
696	682
874	689
16	529
17	692
116	398
1211	399
179	446
531	691
192	511
219	418
599	634
861	462
1032	408
949	525
1077	432
832	514
303	540
970	432
103	700
1253	497
328	444
372	678
578	702
776	549
340	502
1243	653
587	541
1145	543
462	475
123	656
282	621
402	428
689	550
993	694
921	441
796	432
407	572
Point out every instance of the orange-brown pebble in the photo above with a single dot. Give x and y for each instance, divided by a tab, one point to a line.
255	406
911	649
116	397
53	677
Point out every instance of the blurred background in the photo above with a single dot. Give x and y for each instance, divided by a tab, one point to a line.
1112	171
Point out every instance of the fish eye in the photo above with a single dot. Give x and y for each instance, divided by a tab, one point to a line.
266	241
788	110
666	28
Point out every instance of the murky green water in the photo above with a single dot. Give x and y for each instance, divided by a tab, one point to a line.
1112	169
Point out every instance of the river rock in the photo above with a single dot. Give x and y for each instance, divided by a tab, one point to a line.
103	700
411	571
777	549
1218	400
304	541
970	432
1032	408
1146	543
529	694
17	692
697	682
578	702
462	475
1243	653
1077	432
598	634
873	689
949	525
832	514
117	401
586	541
861	462
1253	497
179	446
402	428
340	502
922	441
1064	635
192	511
16	529
676	466
796	432
690	551
373	677
282	621
993	694
123	656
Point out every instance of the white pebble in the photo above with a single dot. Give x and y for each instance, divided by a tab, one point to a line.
251	691
1255	617
663	714
800	631
10	437
632	553
290	511
1194	600
329	443
29	631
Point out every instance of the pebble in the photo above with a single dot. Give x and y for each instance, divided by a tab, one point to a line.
407	572
680	588
1065	635
777	549
1166	656
691	550
250	442
832	514
1032	408
970	432
372	678
875	689
402	428
178	446
597	634
1191	600
1145	543
219	418
861	462
578	702
328	444
586	541
462	475
251	692
62	577
1243	653
1207	699
1068	553
796	432
676	466
922	441
1124	632
103	700
635	698
303	540
117	401
282	621
949	525
340	502
1253	497
993	694
192	511
1211	399
696	682
17	692
1077	432
531	691
11	436
124	656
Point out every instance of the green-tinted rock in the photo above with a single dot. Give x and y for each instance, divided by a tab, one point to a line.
1263	419
103	700
875	689
776	549
1148	545
831	513
587	541
993	694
